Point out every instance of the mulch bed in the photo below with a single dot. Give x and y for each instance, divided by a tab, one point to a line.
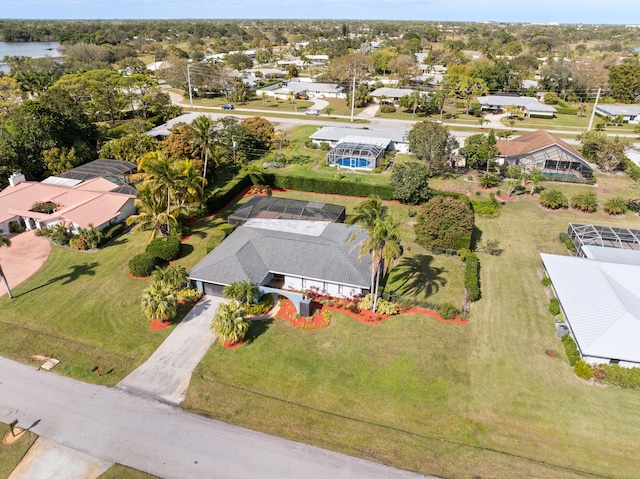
138	277
157	325
287	310
230	345
507	198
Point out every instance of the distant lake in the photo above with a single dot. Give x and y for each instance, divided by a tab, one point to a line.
27	49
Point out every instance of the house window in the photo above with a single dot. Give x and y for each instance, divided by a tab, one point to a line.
325	287
304	283
340	289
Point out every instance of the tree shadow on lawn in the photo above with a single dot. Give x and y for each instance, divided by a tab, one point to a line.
416	276
77	271
185	250
257	329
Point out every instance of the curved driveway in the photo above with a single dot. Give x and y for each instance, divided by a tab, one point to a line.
25	256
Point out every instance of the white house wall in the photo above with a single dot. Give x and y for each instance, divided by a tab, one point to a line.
331	289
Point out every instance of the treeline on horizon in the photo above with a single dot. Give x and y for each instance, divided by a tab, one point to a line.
251	33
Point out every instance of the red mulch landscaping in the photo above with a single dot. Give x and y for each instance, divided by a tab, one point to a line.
157	325
287	310
138	277
230	345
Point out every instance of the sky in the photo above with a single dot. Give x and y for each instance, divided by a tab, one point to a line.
623	12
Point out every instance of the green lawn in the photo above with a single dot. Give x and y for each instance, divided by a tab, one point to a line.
118	471
83	309
481	400
11	455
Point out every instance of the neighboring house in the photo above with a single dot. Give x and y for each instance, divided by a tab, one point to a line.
162	132
529	106
542	150
392	94
80	201
313	90
268	72
629	113
599	295
287	257
396	139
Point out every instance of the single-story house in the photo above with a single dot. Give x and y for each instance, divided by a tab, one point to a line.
392	94
397	139
312	89
599	296
540	149
162	132
529	106
76	203
288	257
629	113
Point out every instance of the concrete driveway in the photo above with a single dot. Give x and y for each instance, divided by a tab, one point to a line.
25	256
167	373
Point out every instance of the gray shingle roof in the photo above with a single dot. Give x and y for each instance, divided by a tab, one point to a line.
308	249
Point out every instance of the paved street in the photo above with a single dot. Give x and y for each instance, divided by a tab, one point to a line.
117	426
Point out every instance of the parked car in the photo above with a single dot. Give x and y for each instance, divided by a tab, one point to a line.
228	106
312	112
499	111
303	96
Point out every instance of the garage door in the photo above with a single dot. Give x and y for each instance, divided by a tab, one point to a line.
212	289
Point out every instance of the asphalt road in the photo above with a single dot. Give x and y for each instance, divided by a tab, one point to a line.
161	439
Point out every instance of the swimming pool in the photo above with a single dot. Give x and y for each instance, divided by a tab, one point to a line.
353	163
559	175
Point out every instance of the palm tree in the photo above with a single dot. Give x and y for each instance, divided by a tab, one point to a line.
152	213
5	241
171	278
187	188
382	242
230	323
241	291
158	303
204	140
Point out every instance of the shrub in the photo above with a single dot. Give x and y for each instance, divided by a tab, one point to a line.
221	197
46	207
616	206
326	314
387	109
623	377
311	145
327	186
76	242
553	199
365	302
546	282
60	235
143	264
166	248
554	306
188	295
112	232
489	180
583	370
325	146
490	207
631	169
571	349
585	202
448	311
444	222
386	307
15	227
410	182
564	237
264	304
472	277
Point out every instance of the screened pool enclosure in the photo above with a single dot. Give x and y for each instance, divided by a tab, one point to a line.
356	156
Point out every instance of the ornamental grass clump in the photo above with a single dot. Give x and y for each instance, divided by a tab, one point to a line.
585	202
553	199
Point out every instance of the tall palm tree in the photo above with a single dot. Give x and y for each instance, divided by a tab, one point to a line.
152	213
187	188
158	303
5	241
204	140
230	323
382	242
161	174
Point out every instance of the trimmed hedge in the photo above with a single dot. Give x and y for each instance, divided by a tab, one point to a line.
221	197
472	276
631	169
623	377
564	237
554	306
143	264
166	248
581	181
328	186
571	349
566	110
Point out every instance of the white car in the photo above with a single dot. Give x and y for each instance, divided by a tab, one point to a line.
312	112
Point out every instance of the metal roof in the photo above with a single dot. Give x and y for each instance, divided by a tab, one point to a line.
601	303
529	103
615	110
331	133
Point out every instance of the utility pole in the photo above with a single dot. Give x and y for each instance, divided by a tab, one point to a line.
593	112
353	96
189	82
234	145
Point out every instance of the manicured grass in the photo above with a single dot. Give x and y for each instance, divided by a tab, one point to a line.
118	471
83	309
11	455
481	400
